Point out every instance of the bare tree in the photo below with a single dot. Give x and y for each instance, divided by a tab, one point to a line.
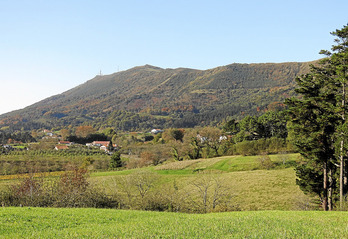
209	193
136	187
143	181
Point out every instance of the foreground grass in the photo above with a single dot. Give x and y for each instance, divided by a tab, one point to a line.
108	223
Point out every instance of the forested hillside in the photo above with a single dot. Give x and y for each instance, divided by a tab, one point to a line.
150	97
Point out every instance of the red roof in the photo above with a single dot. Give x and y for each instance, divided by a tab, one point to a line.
58	147
103	143
64	142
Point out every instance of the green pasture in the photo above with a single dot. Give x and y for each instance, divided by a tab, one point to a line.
252	188
227	164
110	223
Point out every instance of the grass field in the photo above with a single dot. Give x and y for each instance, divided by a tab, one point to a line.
251	187
110	223
264	196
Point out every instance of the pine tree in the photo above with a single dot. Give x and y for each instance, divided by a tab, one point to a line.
337	66
318	121
115	160
313	123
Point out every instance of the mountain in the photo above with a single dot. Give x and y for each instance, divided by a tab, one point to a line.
147	97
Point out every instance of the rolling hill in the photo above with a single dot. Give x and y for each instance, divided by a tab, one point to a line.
147	97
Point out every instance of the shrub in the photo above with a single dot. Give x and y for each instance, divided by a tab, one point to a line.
265	162
70	190
245	148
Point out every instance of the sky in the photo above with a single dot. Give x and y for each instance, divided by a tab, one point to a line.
48	47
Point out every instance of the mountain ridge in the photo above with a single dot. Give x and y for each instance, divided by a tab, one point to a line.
166	97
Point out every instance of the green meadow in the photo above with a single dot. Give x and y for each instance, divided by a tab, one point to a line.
111	223
269	205
252	188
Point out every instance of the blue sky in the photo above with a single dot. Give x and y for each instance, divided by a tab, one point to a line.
48	47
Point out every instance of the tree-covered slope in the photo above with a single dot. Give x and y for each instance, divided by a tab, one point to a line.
147	96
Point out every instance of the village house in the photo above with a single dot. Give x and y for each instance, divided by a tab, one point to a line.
156	131
65	142
61	147
101	143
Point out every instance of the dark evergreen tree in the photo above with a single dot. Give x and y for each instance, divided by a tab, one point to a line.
115	160
337	66
313	122
231	126
272	124
319	121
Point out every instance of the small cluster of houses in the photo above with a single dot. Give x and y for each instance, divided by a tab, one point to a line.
102	145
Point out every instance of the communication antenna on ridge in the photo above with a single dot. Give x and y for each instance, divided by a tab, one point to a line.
100	73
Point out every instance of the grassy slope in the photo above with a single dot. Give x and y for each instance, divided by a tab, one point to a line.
103	223
253	189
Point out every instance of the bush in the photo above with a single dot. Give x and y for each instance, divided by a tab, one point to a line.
246	148
265	162
270	145
70	190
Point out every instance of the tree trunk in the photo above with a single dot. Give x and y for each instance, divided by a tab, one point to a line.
344	159
342	166
341	175
330	184
325	184
345	179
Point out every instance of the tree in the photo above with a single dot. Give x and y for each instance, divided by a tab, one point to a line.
337	65
179	151
248	129
322	138
173	134
109	132
314	123
193	143
272	124
209	193
110	146
115	160
84	131
64	133
231	127
212	138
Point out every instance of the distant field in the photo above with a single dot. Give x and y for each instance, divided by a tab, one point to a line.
110	223
23	163
230	163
